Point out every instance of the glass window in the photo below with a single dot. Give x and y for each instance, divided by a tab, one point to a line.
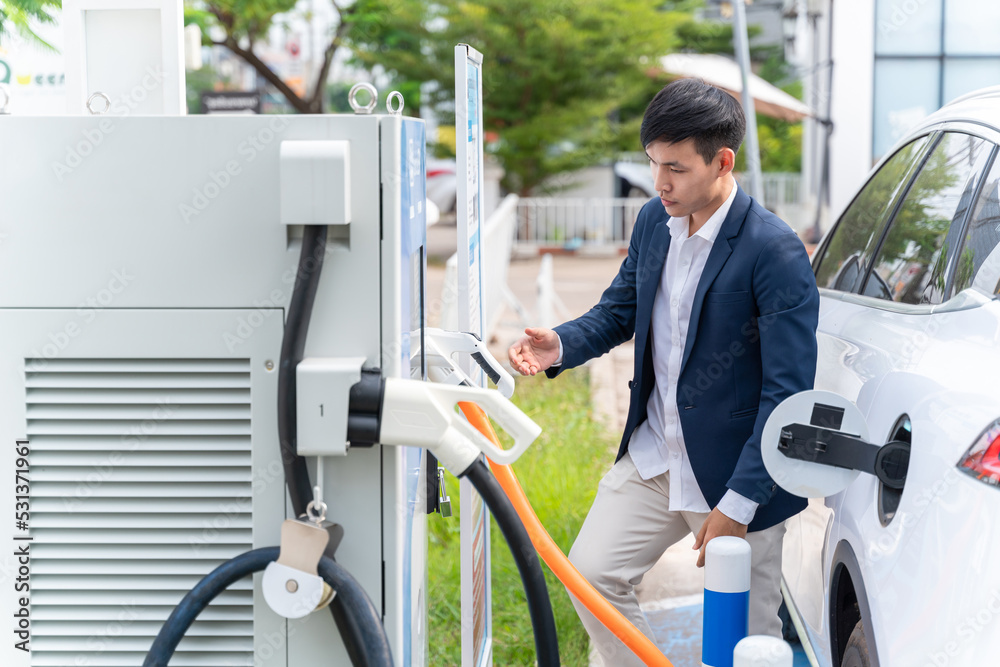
846	255
970	27
908	28
912	264
963	75
978	265
905	92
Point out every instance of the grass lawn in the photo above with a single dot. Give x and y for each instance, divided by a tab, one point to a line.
559	473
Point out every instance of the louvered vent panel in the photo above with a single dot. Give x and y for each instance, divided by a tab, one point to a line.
141	485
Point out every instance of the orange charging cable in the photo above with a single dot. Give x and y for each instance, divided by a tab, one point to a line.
560	565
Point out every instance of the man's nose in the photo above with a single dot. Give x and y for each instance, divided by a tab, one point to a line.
661	180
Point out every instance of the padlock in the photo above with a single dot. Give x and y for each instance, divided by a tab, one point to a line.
444	502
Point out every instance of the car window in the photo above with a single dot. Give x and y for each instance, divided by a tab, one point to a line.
978	263
926	231
846	256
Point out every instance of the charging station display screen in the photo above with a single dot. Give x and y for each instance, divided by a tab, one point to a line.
413	262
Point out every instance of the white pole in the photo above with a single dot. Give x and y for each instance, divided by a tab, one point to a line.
727	599
546	294
742	44
761	651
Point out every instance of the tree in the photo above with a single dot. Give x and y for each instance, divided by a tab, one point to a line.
244	23
555	74
19	16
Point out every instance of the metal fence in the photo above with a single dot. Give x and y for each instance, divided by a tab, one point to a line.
574	222
565	222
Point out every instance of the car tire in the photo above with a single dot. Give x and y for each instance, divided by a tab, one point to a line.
856	651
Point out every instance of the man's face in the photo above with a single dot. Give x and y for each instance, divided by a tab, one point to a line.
686	184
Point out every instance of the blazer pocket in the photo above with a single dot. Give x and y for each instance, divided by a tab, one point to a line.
725	297
749	412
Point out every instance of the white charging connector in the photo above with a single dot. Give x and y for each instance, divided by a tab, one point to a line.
422	414
440	349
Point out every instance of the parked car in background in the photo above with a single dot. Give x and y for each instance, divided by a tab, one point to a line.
634	180
909	330
442	184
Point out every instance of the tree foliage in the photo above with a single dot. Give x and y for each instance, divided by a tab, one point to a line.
243	23
21	16
556	72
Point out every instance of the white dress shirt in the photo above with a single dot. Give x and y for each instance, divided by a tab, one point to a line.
657	444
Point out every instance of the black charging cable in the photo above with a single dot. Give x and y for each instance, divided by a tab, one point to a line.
349	597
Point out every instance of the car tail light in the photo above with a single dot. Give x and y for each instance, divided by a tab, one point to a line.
982	461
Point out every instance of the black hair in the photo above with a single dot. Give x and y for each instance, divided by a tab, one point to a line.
692	109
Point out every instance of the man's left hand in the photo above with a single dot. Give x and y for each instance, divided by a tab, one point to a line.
716	525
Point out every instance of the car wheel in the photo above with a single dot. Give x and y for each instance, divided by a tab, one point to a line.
856	651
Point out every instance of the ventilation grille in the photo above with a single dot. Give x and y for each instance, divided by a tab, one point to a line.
140	486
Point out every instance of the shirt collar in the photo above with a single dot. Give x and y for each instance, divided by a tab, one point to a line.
710	230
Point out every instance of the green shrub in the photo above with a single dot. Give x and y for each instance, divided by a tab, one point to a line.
559	473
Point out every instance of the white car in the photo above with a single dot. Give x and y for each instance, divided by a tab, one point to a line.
442	184
909	330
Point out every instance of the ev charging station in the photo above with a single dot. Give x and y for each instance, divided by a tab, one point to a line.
140	362
151	261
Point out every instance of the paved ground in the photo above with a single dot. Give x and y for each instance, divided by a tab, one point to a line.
671	592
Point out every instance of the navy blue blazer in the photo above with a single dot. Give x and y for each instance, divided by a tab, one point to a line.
751	343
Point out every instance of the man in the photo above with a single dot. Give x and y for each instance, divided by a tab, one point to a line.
723	304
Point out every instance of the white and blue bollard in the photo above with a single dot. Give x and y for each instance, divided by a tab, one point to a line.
761	651
727	600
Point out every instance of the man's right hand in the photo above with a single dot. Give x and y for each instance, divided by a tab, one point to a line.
535	351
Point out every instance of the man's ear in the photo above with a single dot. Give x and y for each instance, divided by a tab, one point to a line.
727	160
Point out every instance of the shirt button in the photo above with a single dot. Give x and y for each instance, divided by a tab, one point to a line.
674	302
675	455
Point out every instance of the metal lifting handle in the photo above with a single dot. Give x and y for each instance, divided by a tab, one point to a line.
440	350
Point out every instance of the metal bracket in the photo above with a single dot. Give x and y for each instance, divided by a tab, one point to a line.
324	389
827	446
292	586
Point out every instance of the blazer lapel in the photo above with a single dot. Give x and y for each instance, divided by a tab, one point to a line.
649	272
721	250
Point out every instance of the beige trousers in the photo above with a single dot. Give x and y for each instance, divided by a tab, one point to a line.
625	533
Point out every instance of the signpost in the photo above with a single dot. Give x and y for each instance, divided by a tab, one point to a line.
230	103
477	634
